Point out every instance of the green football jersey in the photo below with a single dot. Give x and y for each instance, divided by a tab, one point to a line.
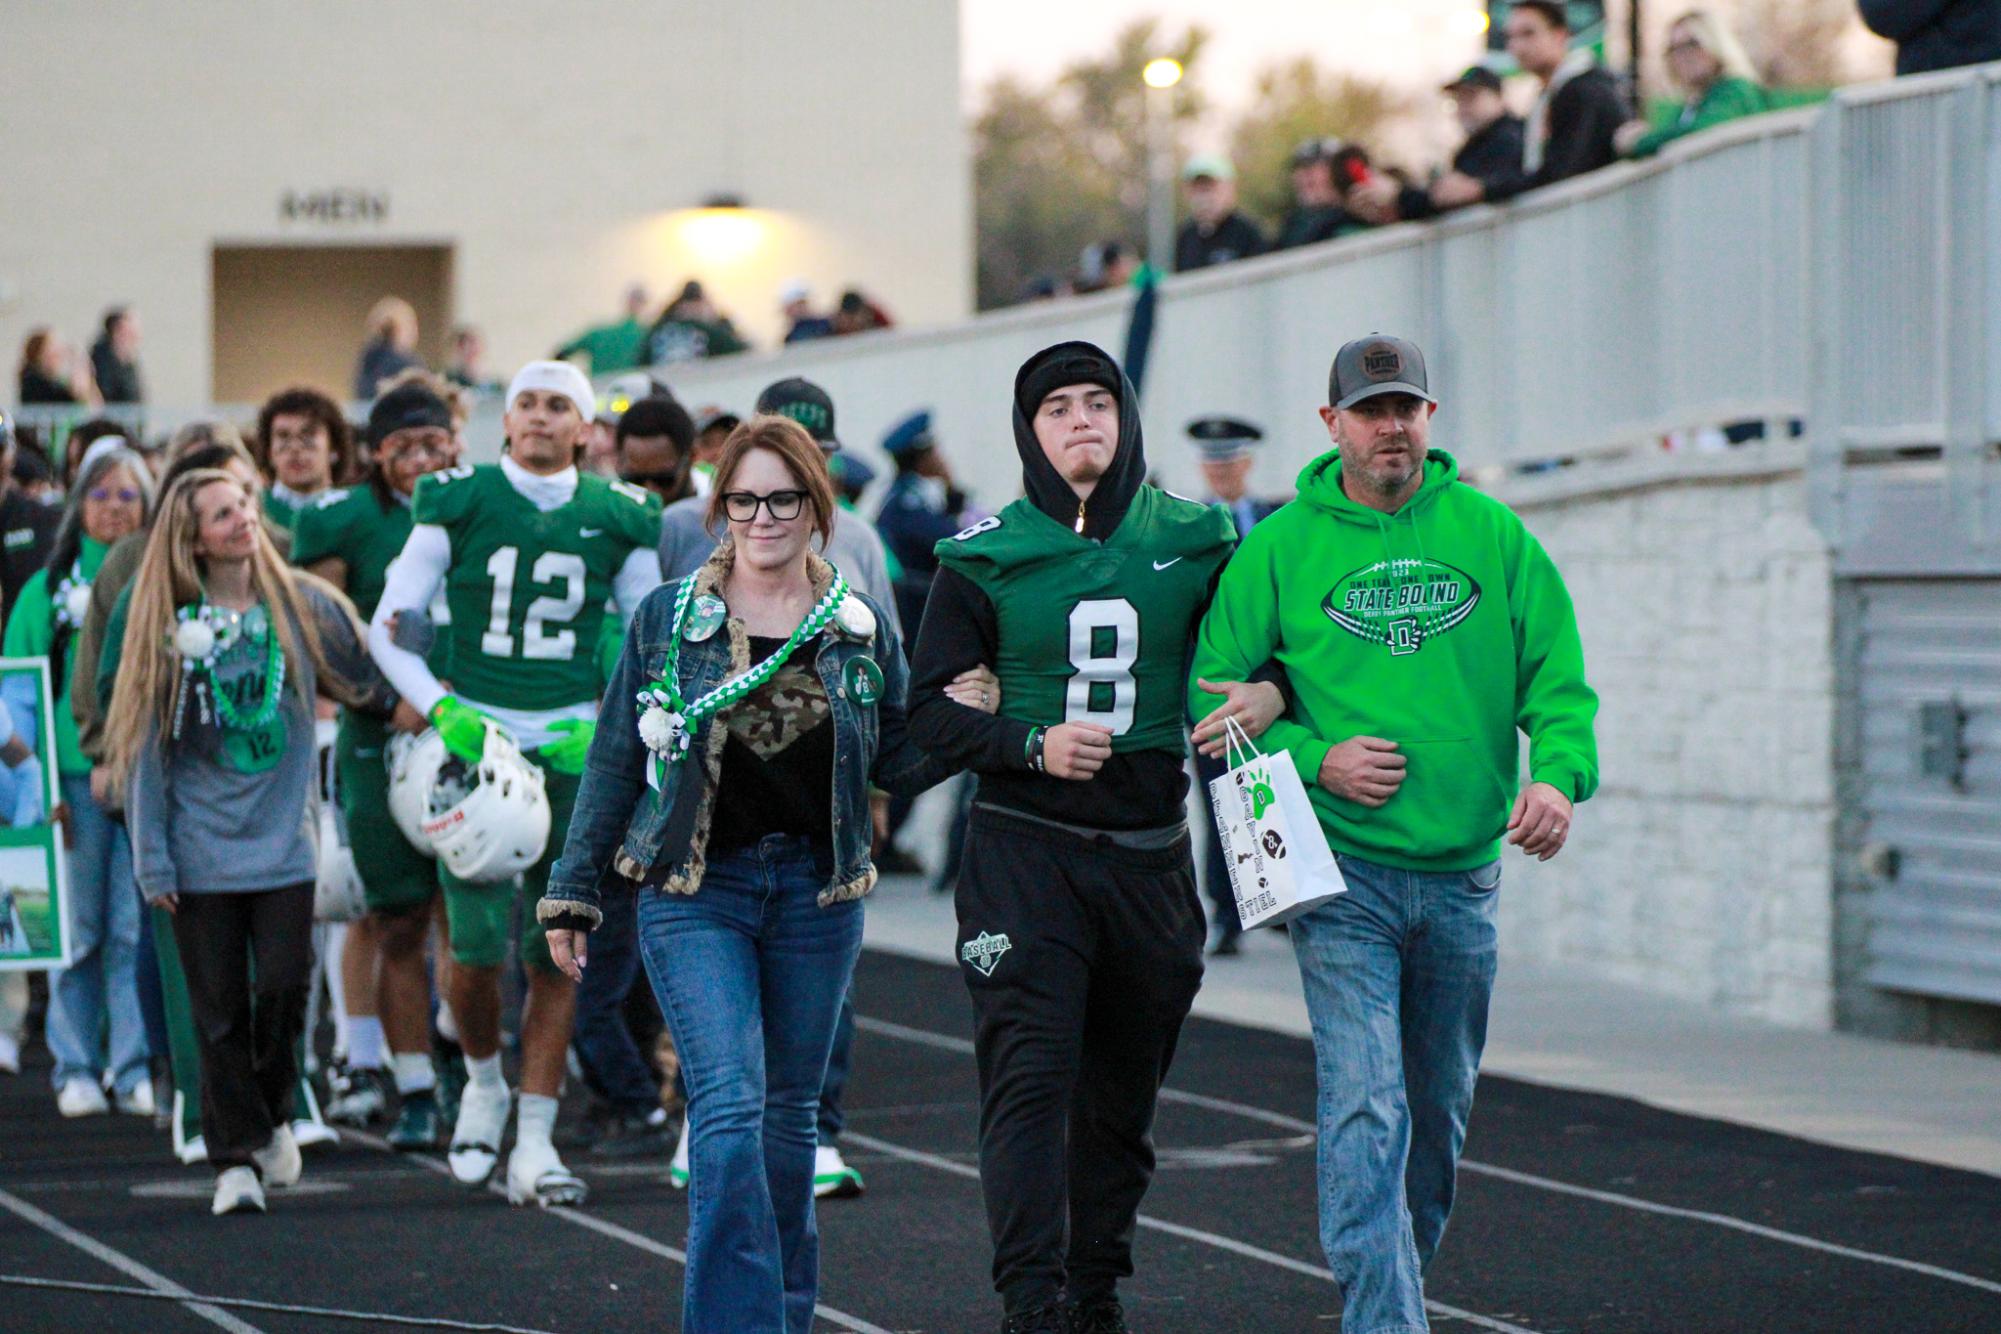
280	511
350	522
1097	632
527	589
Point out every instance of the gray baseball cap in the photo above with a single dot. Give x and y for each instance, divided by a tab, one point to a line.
1377	364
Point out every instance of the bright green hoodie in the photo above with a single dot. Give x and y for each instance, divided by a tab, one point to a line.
1443	627
31	633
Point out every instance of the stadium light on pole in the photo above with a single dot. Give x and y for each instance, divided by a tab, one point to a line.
1160	75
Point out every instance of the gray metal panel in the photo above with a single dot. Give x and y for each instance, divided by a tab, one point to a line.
1935	922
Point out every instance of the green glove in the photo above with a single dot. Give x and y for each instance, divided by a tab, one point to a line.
566	756
462	726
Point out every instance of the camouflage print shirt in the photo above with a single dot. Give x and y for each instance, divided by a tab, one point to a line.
778	761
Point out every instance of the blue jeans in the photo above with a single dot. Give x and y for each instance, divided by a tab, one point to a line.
833	1117
97	996
1397	974
611	1062
750	972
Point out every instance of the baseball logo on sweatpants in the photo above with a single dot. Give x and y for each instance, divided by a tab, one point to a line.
984	951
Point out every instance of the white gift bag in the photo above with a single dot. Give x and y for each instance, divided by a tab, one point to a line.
1280	864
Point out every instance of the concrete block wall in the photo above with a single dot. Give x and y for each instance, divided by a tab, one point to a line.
1703	866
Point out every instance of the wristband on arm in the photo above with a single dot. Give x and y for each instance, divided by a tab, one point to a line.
1032	749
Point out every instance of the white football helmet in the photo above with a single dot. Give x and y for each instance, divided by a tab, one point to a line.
337	893
414	761
488	821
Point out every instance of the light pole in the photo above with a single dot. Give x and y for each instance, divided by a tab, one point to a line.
1160	75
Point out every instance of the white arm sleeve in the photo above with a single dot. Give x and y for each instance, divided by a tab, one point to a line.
639	576
412	581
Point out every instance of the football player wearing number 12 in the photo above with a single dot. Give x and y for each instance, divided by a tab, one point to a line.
527	552
1080	930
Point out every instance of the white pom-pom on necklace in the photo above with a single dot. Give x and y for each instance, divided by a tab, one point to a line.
194	640
661	730
77	602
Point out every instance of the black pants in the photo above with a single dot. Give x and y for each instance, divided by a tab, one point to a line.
1082	958
249	961
1215	869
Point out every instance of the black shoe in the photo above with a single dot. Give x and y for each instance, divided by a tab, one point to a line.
448	1062
1104	1316
625	1135
419	1127
1041	1320
1227	944
895	861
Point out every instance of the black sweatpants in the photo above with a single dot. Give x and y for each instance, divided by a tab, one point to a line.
246	1030
1082	958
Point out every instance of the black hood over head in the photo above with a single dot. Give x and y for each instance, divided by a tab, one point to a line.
1042	374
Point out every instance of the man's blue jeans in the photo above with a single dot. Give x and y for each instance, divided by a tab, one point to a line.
750	972
1397	974
95	1027
611	1062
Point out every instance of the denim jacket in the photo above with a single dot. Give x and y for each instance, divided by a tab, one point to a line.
621	826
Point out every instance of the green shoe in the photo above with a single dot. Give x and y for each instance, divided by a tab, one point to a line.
420	1127
833	1179
677	1171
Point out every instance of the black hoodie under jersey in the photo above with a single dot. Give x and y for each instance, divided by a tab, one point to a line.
1141	789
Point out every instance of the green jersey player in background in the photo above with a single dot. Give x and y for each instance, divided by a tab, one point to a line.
1080	932
528	552
349	536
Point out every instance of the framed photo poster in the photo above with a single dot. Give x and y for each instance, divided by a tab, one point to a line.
34	901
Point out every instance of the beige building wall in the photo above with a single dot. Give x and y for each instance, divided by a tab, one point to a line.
557	150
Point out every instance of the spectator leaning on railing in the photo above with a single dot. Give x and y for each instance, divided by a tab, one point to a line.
1937	34
1493	149
1569	129
1216	232
1709	65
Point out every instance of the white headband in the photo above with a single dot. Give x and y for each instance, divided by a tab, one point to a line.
104	444
555	377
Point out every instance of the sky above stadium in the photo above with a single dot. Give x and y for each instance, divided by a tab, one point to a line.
1408	43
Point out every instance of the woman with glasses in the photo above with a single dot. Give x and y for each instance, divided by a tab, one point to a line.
1717	80
95	1029
349	537
753	705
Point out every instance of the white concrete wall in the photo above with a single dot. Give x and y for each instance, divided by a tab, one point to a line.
551	144
1703	866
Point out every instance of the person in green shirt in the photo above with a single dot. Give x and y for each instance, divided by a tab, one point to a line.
95	1026
304	445
1422	629
1709	65
348	536
619	346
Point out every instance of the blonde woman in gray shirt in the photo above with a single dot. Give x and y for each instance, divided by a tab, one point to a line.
210	732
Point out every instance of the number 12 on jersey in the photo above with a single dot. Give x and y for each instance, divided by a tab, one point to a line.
1104	645
538	643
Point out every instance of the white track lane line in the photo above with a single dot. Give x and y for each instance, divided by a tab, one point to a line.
946	1042
1195	1234
378	1318
838	1319
123	1263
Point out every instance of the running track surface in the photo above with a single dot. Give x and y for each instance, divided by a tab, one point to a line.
1576	1213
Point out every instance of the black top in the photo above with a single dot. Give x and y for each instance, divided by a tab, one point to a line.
39	387
1495	152
117	381
1308	224
1235	237
1583	116
786	791
1937	34
27	534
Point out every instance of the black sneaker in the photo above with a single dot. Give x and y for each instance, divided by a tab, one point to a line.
419	1126
626	1135
1103	1316
357	1097
448	1062
895	861
1041	1320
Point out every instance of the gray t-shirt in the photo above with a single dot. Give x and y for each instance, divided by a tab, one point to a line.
855	549
204	818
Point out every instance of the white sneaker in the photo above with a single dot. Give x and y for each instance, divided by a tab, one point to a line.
81	1097
10	1054
279	1160
137	1100
476	1138
832	1177
536	1175
238	1191
677	1171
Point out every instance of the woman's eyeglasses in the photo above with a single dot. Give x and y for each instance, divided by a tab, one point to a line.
124	494
741	506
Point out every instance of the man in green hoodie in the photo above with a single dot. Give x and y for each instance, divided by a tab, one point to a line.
1420	625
